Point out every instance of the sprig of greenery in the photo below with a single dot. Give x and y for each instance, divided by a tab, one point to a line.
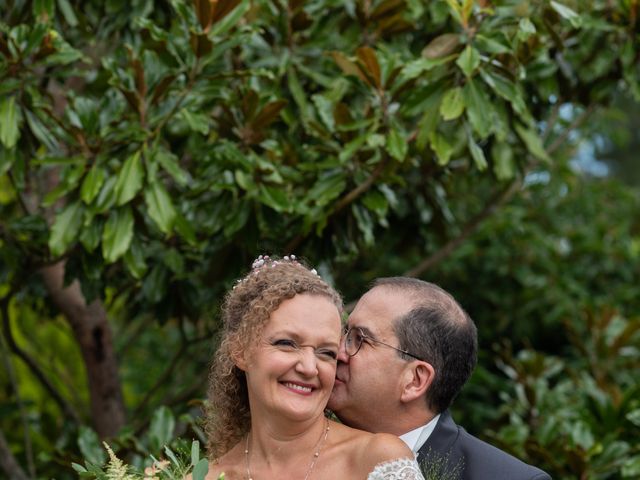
436	466
177	467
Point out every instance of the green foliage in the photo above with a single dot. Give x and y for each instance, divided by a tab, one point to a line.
156	147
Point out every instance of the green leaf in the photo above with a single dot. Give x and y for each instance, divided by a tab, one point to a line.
200	470
442	148
492	45
161	429
117	234
568	14
65	228
10	122
634	417
503	166
129	179
90	236
170	164
197	121
477	154
90	446
526	28
509	91
7	157
134	260
397	145
68	13
275	197
92	184
452	104
631	467
297	92
160	207
327	188
231	19
195	452
351	148
479	109
533	143
40	131
468	60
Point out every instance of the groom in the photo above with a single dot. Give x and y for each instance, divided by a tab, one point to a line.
409	349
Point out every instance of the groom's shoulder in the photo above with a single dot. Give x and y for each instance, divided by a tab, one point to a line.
481	460
498	464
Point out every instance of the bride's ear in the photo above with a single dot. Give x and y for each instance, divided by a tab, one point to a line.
417	380
240	360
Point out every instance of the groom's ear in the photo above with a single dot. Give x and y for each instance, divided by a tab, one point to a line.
417	380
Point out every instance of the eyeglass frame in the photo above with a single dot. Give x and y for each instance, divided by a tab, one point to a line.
364	337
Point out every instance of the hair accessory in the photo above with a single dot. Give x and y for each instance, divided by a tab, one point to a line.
263	260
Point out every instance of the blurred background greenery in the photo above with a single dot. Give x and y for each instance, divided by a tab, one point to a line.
150	149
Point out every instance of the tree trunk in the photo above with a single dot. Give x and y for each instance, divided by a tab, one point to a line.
93	334
8	462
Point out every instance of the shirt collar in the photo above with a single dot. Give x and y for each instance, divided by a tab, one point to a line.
416	438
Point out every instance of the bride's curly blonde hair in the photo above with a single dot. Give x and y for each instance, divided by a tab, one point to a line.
245	313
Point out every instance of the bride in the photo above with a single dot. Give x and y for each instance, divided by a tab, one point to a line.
271	380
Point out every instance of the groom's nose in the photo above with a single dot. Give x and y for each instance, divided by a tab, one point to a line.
342	352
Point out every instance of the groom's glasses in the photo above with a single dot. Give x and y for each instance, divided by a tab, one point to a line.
354	338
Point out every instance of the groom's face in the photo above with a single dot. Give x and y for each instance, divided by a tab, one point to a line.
368	385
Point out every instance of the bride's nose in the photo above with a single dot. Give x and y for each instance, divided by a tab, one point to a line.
307	362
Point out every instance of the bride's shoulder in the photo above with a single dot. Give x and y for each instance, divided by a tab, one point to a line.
374	448
384	446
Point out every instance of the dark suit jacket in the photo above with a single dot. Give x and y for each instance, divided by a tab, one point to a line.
470	457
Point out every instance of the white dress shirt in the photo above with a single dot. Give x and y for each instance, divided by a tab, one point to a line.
415	439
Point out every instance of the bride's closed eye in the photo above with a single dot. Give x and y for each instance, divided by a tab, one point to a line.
285	343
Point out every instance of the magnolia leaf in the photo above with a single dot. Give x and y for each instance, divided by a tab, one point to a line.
65	228
526	28
468	60
502	156
479	109
117	234
347	66
397	145
134	260
129	179
92	184
442	148
268	114
441	46
533	142
370	62
169	163
568	14
160	207
477	154
10	122
452	104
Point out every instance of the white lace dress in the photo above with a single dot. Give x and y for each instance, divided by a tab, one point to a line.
400	469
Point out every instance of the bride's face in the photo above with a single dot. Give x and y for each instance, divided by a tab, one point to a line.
290	373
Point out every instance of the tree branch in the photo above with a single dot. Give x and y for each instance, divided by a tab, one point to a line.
91	329
28	446
491	206
344	201
8	462
33	366
469	228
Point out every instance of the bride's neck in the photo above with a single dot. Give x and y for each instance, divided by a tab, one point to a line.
272	441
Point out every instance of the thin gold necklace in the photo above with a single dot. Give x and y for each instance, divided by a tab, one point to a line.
317	447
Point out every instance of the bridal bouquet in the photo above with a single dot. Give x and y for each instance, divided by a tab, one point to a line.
175	467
